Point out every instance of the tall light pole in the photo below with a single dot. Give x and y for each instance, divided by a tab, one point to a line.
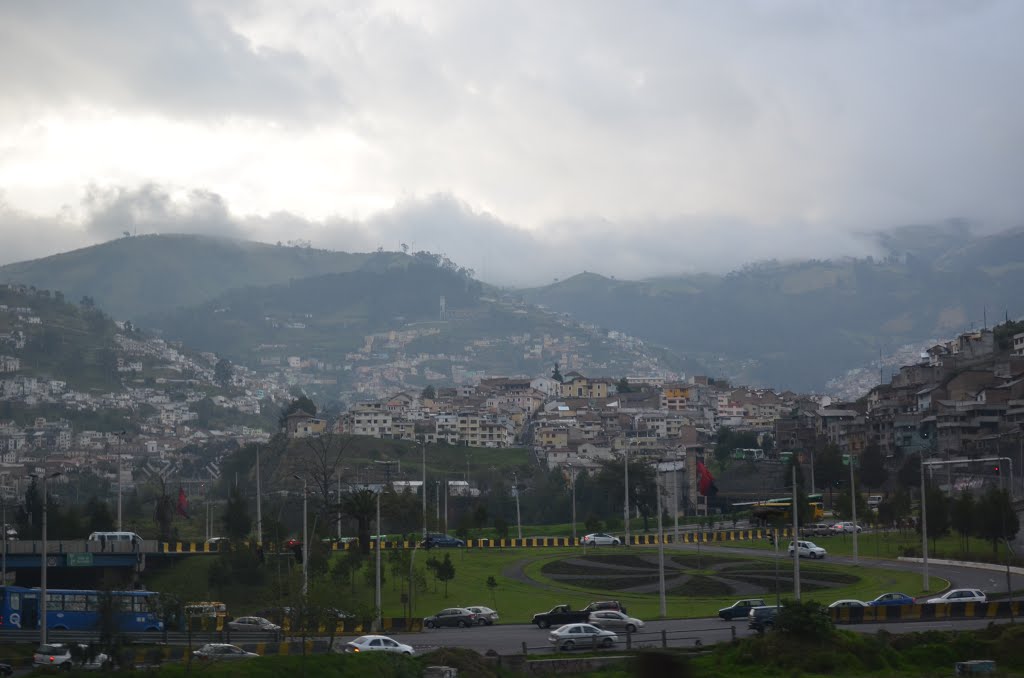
853	510
423	450
625	466
572	482
120	444
3	580
42	574
924	531
259	507
675	496
661	550
305	538
795	510
515	489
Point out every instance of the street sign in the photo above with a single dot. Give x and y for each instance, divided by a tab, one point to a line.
79	559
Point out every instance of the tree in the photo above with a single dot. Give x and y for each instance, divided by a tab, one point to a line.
237	521
222	372
909	474
501	527
829	470
429	393
322	458
361	506
446	572
97	516
492	586
623	386
938	513
301	403
961	515
164	507
873	472
996	518
556	374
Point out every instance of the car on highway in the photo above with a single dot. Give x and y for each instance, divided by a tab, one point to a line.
817	530
846	528
848	602
741	608
220	652
253	624
451	616
614	620
599	605
961	596
570	636
807	549
378	644
62	656
485	616
443	541
762	618
600	539
560	615
891	599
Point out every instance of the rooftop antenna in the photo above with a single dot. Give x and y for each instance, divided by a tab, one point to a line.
984	317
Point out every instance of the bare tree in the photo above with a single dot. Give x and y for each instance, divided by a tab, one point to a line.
322	458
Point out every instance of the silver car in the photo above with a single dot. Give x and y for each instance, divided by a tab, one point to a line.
615	621
485	616
219	652
253	624
584	635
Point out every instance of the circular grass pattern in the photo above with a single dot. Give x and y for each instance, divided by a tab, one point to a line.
718	576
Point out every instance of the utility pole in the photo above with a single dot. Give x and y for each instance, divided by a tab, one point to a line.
853	511
924	530
625	465
796	537
661	550
675	498
572	481
305	539
423	450
259	496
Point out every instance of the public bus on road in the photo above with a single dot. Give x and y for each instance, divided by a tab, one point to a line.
78	610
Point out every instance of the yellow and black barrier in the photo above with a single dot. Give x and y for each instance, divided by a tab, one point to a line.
926	612
352	626
688	537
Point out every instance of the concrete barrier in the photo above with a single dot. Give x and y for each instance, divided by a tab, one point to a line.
926	612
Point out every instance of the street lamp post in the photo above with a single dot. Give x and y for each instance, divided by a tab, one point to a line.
572	482
379	539
42	574
924	530
259	506
625	465
853	511
661	550
515	488
305	538
796	537
423	450
120	444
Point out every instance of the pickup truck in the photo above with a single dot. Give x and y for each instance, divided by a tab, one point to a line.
560	614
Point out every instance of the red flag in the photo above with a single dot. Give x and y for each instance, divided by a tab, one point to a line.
182	503
706	482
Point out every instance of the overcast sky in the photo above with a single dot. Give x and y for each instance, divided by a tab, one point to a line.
526	140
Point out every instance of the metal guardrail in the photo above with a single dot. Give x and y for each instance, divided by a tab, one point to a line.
640	639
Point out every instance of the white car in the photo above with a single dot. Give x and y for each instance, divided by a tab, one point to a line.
221	652
378	644
59	654
848	602
961	596
847	528
807	549
600	539
485	616
584	635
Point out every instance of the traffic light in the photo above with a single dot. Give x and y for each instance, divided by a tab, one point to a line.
995	469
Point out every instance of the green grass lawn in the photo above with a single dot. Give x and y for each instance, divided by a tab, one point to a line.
518	601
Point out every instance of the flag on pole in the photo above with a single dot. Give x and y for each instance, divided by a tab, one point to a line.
706	481
182	503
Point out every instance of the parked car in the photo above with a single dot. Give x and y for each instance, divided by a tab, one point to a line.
600	539
891	599
452	616
848	602
485	616
60	655
442	540
560	615
599	605
741	608
569	636
762	618
220	652
614	620
253	624
807	549
845	528
961	596
378	644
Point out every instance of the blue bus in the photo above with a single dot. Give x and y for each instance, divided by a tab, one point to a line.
77	610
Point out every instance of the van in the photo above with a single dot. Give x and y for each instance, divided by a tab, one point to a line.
111	538
874	500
